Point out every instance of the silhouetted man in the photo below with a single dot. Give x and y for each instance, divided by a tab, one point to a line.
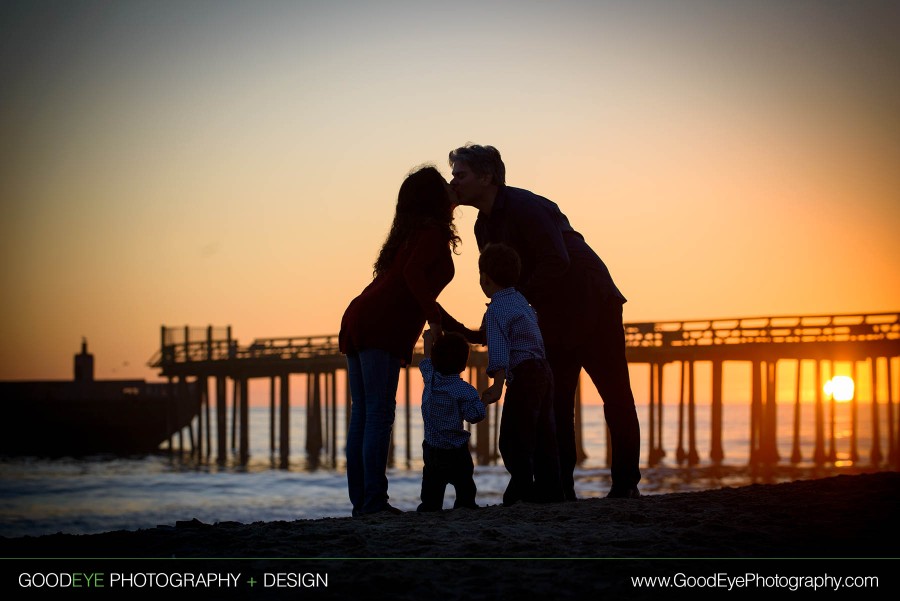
579	307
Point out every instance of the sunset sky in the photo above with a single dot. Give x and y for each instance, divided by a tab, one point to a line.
237	163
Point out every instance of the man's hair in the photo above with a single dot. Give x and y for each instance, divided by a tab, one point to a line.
482	160
501	263
450	353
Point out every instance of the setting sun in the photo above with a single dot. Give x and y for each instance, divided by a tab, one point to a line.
840	387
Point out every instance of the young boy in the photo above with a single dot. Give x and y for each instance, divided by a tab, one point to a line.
446	402
516	356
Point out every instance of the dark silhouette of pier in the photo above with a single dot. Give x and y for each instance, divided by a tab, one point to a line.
212	355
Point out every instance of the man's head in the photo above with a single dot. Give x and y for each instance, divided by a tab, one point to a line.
450	353
477	173
499	267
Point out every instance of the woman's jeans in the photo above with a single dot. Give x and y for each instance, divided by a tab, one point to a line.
373	375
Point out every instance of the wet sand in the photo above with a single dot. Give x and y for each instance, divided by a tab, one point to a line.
561	551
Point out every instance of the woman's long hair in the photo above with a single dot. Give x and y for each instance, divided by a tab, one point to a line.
422	201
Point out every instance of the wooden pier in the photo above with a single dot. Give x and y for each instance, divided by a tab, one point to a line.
212	356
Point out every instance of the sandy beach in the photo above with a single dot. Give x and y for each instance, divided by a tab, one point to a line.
560	551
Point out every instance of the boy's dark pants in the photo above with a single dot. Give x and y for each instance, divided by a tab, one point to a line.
528	435
443	467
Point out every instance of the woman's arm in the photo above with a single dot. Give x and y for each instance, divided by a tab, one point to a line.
428	270
452	325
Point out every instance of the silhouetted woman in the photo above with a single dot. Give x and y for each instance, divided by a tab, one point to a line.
381	326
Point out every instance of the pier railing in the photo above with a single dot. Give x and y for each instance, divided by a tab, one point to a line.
645	341
179	348
297	347
764	330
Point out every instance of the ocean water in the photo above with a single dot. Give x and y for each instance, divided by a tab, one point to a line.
100	494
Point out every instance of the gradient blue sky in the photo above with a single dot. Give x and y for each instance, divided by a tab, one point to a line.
236	163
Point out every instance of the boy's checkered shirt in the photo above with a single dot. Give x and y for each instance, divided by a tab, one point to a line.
446	402
512	332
